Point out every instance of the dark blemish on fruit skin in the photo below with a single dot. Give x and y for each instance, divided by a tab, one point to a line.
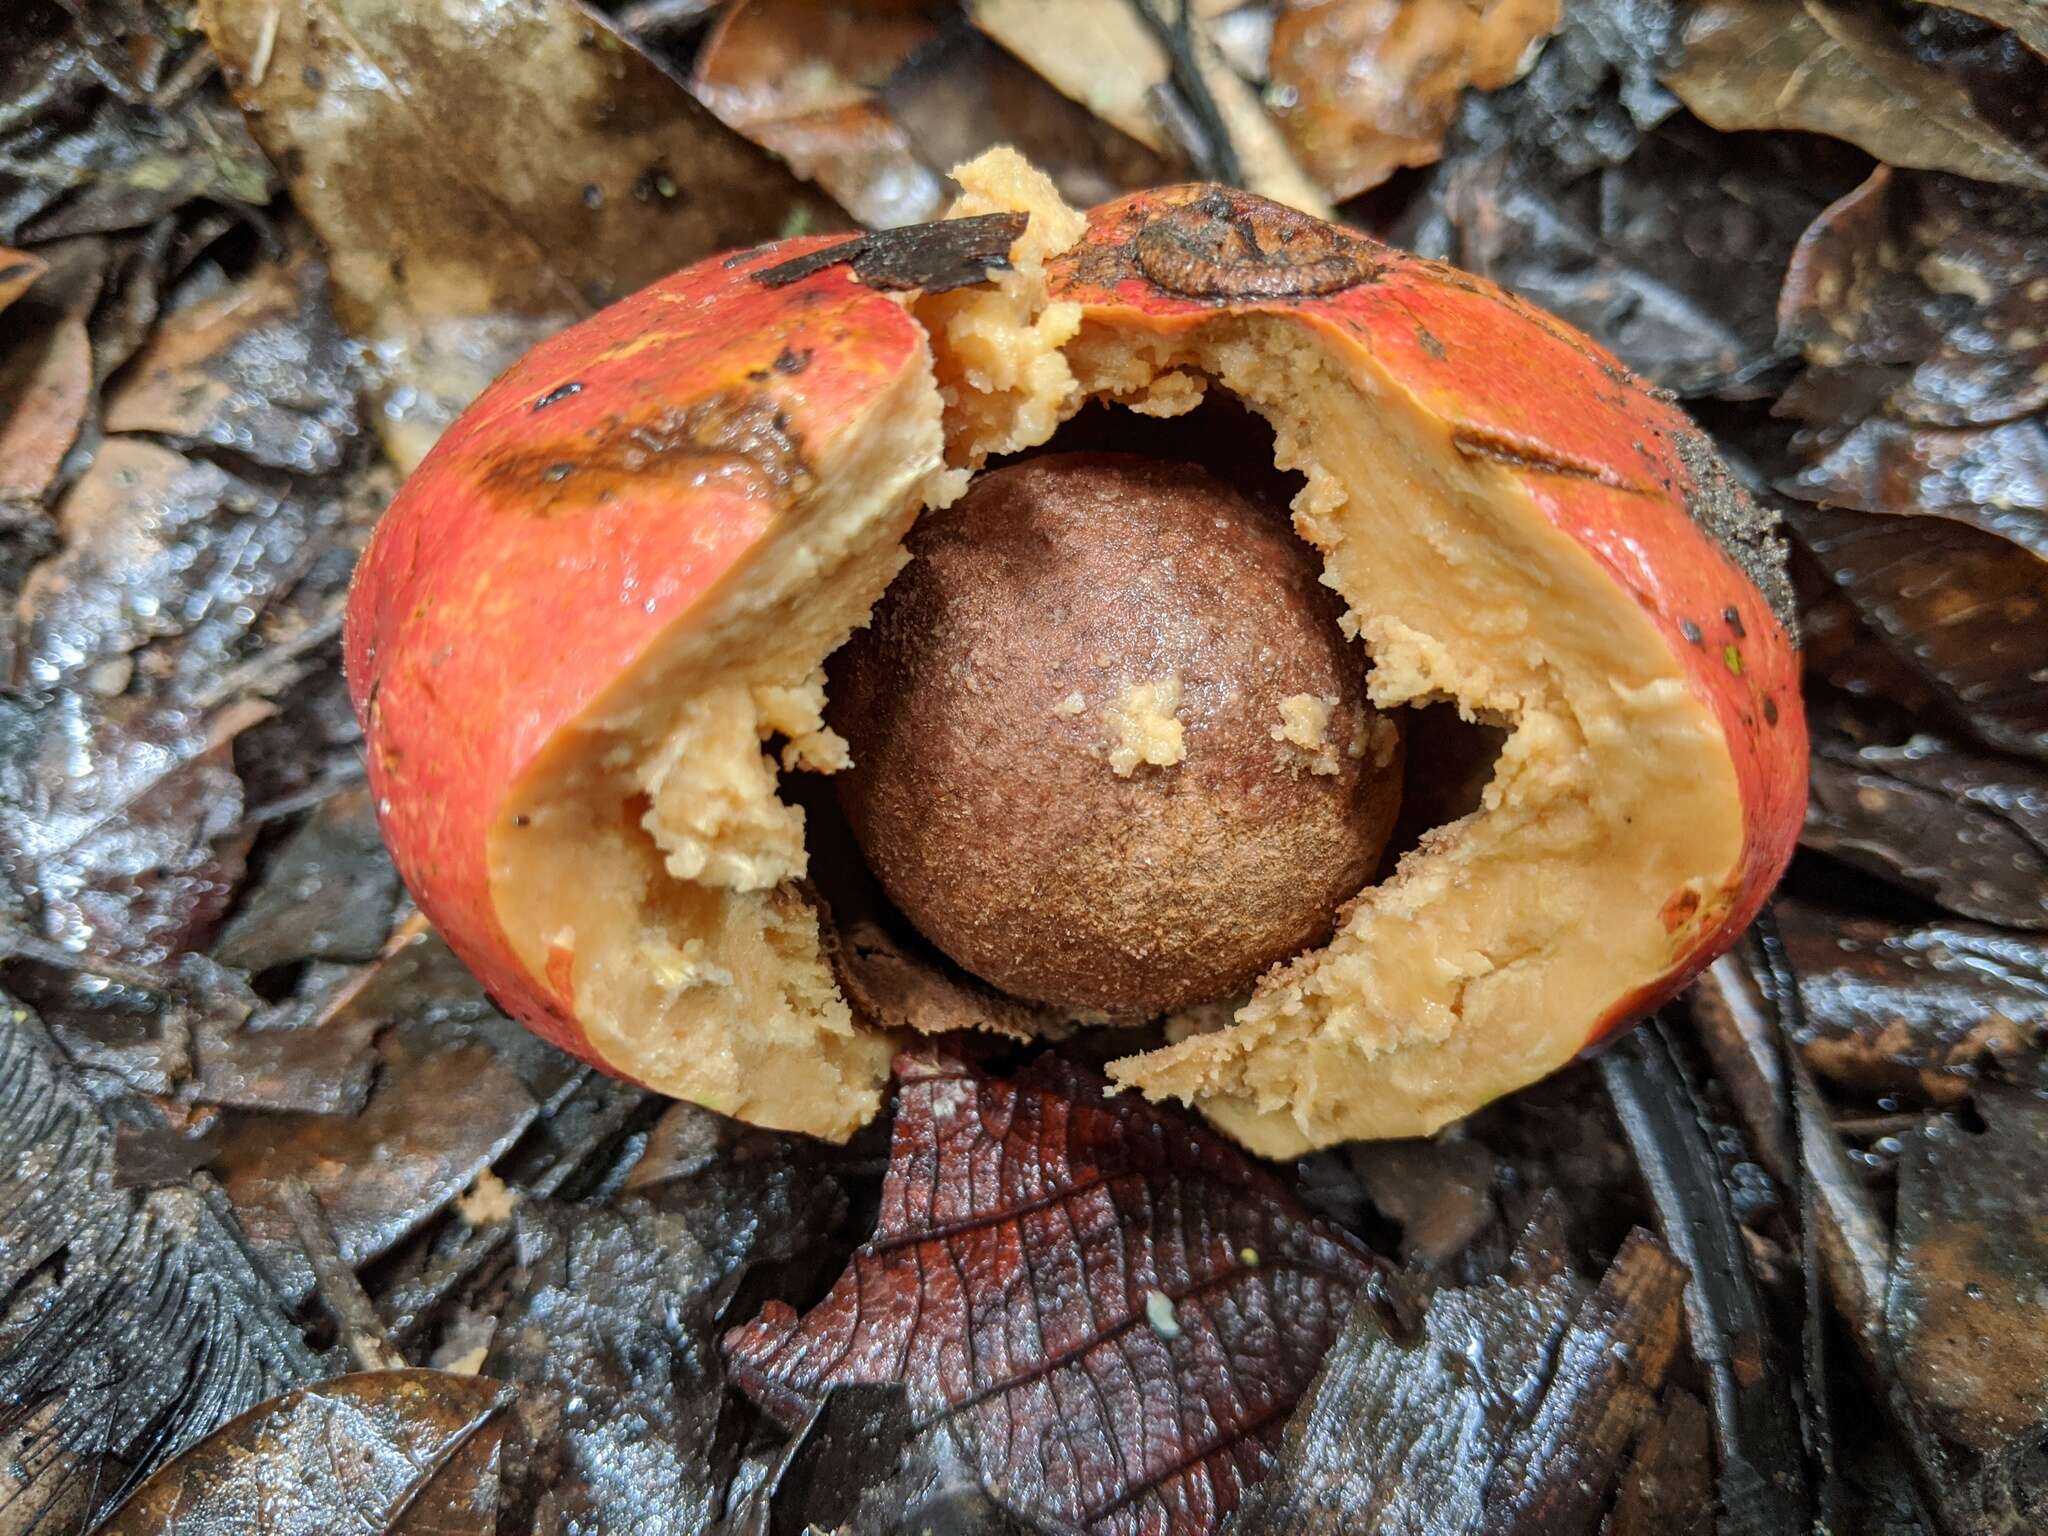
1749	535
558	394
741	429
1770	710
1427	338
792	361
1734	621
522	821
1692	631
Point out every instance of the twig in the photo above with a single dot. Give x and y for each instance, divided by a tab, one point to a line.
1184	72
271	669
362	1330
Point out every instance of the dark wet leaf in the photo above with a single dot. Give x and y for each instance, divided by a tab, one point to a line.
1828	67
611	1330
1668	1487
326	894
1511	1409
1966	828
1926	1011
430	1127
1114	1306
79	154
402	1453
1440	1191
311	1053
804	81
2028	19
1919	292
480	176
131	1324
1960	607
258	368
1964	1311
1364	87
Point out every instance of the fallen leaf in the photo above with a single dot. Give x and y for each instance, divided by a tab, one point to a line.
404	1452
611	1331
1967	829
1668	1486
84	152
430	1127
1109	1303
132	1322
1922	295
1926	1010
1111	61
1963	1312
1511	1409
480	176
326	894
1961	608
46	370
804	81
18	273
1822	67
259	368
2027	19
1362	88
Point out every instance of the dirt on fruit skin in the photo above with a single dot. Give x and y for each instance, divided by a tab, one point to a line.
1749	533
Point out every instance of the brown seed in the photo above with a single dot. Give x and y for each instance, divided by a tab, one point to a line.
1111	750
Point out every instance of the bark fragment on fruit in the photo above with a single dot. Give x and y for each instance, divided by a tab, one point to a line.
619	577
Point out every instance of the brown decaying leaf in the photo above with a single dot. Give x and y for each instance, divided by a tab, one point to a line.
46	367
1511	1410
1365	87
1668	1488
803	81
1964	1305
1108	59
1966	828
430	1127
1927	1011
1114	1304
1826	68
1962	608
258	368
424	1453
18	273
480	176
326	894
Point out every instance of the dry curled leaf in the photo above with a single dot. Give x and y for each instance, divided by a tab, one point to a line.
481	175
1826	68
1364	87
1964	1305
402	1453
1109	1303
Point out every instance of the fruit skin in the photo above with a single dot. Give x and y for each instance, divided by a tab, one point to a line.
501	595
1599	452
499	600
990	810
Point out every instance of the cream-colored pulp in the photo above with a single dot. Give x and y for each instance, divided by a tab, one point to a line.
657	862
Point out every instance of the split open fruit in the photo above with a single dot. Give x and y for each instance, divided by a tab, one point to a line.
589	648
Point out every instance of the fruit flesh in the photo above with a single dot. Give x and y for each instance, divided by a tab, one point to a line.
1070	722
1516	547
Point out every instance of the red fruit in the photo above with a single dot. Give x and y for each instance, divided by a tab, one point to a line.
619	575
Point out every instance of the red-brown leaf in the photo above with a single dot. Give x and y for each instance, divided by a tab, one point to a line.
1025	1225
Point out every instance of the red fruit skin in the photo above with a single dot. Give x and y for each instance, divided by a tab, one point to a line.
1603	456
500	596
